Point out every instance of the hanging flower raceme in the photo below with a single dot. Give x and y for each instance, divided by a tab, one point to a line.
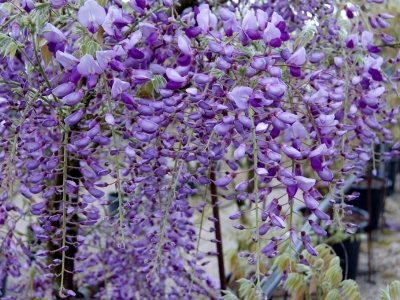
162	108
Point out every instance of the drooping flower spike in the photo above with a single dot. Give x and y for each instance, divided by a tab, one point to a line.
164	105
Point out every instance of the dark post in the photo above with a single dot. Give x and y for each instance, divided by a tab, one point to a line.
214	200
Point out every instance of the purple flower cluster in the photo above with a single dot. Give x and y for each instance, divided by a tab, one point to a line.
135	97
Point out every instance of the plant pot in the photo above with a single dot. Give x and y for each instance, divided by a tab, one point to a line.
392	168
3	287
377	197
349	249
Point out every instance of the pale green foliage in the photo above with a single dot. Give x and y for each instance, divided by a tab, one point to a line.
29	68
260	46
86	44
79	30
218	73
8	46
203	41
323	277
153	86
319	264
254	49
294	280
385	295
282	261
63	19
303	268
249	50
392	291
334	275
40	15
349	290
158	82
335	261
333	295
247	289
345	28
229	296
6	7
102	2
90	47
79	3
296	283
306	34
242	71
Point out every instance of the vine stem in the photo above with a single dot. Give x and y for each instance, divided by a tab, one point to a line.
255	161
170	192
346	100
200	230
64	201
38	61
118	183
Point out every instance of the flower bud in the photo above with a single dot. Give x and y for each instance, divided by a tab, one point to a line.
236	216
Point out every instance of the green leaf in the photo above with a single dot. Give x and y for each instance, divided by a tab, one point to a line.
385	295
228	295
306	34
99	35
203	41
29	68
333	295
92	47
242	71
345	28
334	275
63	19
282	261
46	55
334	262
158	82
394	289
79	30
5	42
83	49
248	50
349	288
218	73
102	2
149	88
11	50
253	83
247	288
344	23
293	281
41	15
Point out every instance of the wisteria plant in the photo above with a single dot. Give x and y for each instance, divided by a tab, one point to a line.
179	108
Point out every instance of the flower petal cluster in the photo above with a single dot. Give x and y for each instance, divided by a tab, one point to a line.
169	111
